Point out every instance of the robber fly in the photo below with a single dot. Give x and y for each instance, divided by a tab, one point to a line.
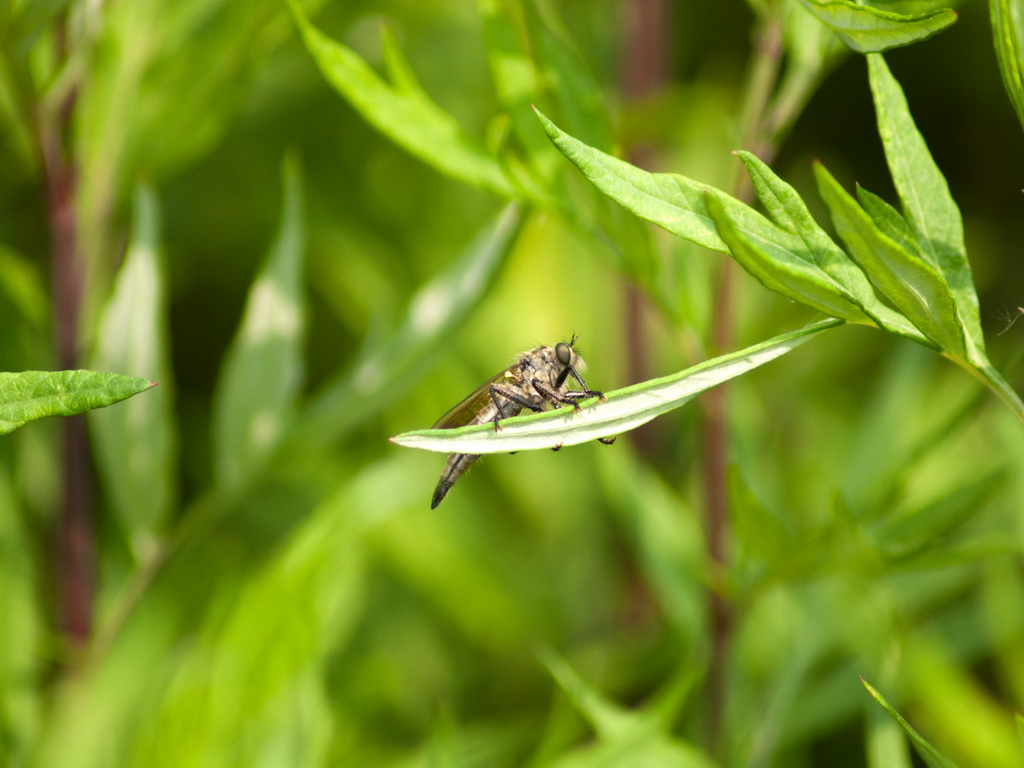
536	379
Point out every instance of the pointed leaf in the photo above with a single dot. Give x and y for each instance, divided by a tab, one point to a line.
866	29
135	444
671	201
402	112
625	408
927	752
1008	36
32	395
263	370
780	270
887	219
928	206
913	286
837	271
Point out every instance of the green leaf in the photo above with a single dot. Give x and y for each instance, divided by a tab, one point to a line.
780	270
1008	36
927	752
263	371
928	206
402	111
516	78
669	200
866	29
624	409
435	312
260	645
909	283
887	219
822	263
32	395
135	444
624	736
905	535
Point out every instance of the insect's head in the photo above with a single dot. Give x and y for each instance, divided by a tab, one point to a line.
565	354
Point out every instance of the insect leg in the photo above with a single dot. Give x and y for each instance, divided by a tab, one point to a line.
583	384
571	397
514	397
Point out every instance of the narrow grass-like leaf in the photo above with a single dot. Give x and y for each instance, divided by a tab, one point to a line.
928	753
263	370
386	369
136	444
625	408
817	250
1008	36
866	29
913	286
402	111
928	206
32	395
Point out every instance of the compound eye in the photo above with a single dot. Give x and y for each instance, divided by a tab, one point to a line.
564	353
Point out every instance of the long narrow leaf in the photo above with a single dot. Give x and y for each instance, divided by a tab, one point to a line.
136	444
402	111
625	408
913	286
779	270
928	204
928	753
890	221
1008	36
866	29
263	370
832	268
673	202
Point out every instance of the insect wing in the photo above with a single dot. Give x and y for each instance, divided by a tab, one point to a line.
468	410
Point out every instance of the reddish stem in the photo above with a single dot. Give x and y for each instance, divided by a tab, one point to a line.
74	540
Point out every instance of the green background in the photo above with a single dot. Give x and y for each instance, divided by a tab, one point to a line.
553	610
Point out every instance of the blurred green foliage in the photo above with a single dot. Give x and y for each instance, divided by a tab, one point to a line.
272	589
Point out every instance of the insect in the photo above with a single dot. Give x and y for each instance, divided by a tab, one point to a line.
537	378
1016	316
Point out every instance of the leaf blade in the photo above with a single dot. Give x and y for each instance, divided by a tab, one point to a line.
1008	39
928	753
267	348
866	29
625	408
911	284
402	112
928	205
31	395
136	445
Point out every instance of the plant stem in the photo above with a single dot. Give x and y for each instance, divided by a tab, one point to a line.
645	73
75	546
761	82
